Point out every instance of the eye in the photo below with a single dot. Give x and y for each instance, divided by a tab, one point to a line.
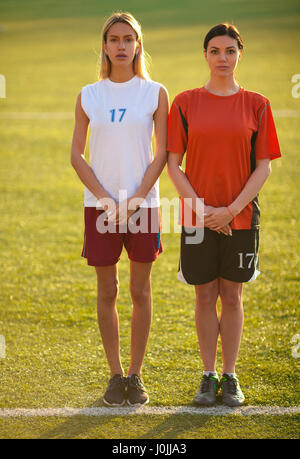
232	51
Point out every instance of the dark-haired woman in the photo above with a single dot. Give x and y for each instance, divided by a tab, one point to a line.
229	137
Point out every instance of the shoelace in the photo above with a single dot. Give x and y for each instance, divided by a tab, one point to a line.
205	383
232	385
116	381
135	380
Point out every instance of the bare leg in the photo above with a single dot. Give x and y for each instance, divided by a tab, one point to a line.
231	322
108	320
140	289
207	323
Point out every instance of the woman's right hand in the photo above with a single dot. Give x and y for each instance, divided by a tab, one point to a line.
225	230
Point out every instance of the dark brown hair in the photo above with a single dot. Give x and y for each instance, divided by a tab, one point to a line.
223	29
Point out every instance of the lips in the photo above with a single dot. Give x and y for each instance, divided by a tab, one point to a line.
121	56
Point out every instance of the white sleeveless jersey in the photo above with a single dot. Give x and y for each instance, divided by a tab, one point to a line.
121	126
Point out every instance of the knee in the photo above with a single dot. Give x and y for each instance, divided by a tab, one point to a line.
206	296
206	301
140	295
108	293
231	300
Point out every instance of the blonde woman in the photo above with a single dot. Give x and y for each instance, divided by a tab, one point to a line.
121	187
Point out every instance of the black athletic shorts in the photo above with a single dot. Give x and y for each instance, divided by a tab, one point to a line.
233	257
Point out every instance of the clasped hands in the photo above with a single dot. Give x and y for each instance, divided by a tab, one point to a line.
218	219
215	218
120	212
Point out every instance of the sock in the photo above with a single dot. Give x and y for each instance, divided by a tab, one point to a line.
207	373
230	374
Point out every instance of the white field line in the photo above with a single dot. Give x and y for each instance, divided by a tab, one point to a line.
284	113
148	410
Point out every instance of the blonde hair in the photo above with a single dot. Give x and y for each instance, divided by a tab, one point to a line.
140	61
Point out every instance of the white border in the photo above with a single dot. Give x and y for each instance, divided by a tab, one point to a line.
148	410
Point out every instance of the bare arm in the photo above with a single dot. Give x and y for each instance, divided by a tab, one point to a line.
155	168
160	153
179	179
82	168
185	189
222	215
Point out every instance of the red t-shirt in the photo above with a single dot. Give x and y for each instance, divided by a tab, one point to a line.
223	137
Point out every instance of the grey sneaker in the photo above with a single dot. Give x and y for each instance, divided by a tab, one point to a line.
207	393
115	394
231	391
136	392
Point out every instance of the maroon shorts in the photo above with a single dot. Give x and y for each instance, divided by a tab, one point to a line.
142	241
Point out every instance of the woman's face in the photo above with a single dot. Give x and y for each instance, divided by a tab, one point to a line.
121	44
222	55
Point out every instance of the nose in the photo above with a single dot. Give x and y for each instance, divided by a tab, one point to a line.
121	44
222	56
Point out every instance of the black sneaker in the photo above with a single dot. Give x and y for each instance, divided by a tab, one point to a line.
231	391
115	394
207	393
136	392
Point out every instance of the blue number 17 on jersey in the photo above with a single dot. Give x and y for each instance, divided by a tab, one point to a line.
113	114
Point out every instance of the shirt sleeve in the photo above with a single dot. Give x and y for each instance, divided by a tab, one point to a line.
177	127
266	143
156	93
84	100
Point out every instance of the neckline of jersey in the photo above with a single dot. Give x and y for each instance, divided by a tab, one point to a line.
124	84
223	97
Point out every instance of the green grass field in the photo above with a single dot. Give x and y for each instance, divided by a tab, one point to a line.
54	356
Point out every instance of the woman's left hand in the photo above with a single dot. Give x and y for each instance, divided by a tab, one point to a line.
217	218
124	210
